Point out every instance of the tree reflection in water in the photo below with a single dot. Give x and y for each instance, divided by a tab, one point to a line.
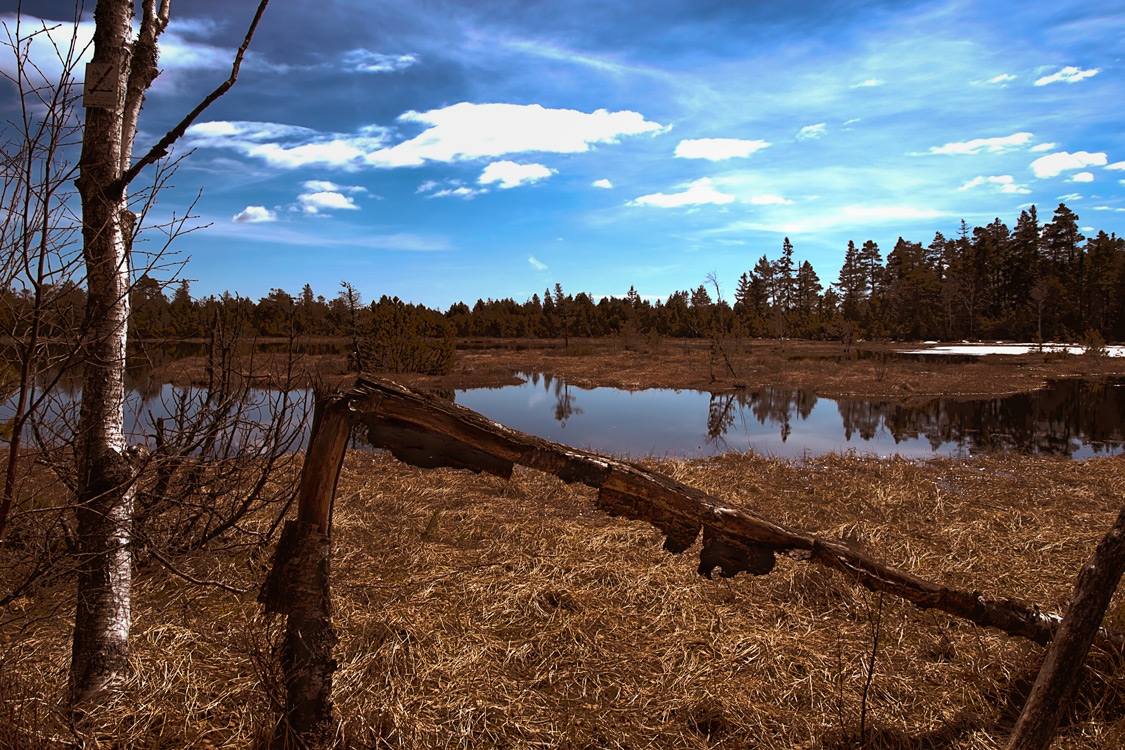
1057	420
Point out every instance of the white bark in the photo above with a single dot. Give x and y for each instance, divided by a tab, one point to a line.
100	656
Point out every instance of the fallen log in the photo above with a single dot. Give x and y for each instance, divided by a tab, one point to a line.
426	431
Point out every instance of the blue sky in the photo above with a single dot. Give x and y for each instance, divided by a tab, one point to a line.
445	151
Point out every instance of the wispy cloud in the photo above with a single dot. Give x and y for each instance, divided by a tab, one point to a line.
717	149
1004	182
458	192
810	132
1071	197
1002	78
698	193
1069	74
769	199
366	61
1040	147
1063	161
868	83
537	264
510	174
976	145
254	215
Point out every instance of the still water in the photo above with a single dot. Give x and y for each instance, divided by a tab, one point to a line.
1070	418
1079	419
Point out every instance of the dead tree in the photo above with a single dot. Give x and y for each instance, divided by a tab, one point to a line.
426	431
298	586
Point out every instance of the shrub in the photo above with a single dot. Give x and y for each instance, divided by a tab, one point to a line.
1094	344
407	338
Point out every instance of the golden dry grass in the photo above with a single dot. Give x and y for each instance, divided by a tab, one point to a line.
480	613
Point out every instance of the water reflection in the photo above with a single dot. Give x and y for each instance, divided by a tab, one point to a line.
1069	418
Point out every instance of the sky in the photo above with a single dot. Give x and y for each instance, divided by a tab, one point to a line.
450	151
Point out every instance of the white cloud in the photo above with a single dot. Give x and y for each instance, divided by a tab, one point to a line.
602	183
769	200
975	146
317	202
867	84
1083	177
852	121
1061	161
698	193
254	215
811	131
427	186
321	186
289	146
1002	78
1005	182
1070	197
1116	165
366	61
177	53
56	40
459	192
473	131
538	265
459	132
716	149
510	174
1043	147
1069	74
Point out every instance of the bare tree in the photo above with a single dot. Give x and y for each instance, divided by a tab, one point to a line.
126	67
38	260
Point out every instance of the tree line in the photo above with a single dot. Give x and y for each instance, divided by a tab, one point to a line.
1031	282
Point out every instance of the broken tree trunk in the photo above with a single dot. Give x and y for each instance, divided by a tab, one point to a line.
1054	688
426	431
298	587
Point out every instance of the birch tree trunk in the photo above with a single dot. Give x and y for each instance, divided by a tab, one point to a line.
99	659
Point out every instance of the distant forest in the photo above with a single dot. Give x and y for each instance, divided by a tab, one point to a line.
1031	282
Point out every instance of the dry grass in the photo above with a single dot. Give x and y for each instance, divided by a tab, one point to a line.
479	613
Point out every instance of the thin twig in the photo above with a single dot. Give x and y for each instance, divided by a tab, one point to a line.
192	579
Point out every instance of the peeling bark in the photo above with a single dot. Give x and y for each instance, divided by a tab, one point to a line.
298	587
426	431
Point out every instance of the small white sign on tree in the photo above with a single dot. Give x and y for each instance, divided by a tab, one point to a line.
100	87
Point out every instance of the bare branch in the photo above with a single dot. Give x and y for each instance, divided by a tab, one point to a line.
160	150
192	579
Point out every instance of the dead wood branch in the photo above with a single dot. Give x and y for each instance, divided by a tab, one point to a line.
426	431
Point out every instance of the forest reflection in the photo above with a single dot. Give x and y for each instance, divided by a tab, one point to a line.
1056	420
1069	418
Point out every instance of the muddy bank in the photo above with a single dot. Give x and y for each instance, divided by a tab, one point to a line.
823	368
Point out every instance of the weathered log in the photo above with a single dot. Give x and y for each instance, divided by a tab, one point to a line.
298	587
424	430
1053	690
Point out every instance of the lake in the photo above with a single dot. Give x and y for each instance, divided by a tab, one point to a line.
1069	417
